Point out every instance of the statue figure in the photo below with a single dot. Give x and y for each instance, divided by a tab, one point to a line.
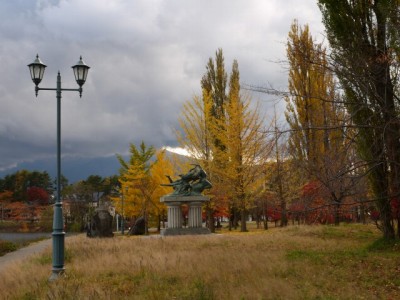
193	183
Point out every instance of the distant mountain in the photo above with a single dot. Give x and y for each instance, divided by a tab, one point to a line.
74	169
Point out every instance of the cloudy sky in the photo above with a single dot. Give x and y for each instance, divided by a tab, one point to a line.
146	56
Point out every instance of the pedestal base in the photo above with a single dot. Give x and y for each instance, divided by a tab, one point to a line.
175	220
184	231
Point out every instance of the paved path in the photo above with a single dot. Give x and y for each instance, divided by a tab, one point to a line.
23	253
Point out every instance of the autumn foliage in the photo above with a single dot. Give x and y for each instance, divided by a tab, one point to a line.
38	195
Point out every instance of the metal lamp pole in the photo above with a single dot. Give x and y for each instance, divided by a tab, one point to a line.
122	216
122	210
80	71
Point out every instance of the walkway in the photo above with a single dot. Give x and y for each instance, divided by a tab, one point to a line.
23	253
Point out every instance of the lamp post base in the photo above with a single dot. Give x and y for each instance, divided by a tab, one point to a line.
194	204
56	273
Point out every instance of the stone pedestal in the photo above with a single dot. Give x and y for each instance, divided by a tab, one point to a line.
195	218
174	215
174	206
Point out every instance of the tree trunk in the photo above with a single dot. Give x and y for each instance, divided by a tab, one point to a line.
243	227
362	214
235	219
265	214
398	225
146	224
265	222
210	219
230	218
392	145
284	220
383	202
337	213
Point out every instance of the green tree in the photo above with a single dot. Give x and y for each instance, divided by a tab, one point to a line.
214	83
22	180
21	185
40	180
365	41
139	156
95	186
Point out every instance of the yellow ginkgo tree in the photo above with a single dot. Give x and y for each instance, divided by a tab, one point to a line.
224	132
140	180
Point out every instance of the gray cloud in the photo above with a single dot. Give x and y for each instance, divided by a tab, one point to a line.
147	57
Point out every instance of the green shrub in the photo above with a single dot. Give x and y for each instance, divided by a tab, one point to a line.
384	245
74	227
6	247
9	226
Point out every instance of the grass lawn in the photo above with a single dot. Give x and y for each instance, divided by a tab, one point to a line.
297	262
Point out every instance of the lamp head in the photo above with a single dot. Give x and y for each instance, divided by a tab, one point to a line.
80	71
37	70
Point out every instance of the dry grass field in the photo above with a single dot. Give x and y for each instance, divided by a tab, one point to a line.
297	262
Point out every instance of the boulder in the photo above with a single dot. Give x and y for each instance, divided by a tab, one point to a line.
139	227
100	224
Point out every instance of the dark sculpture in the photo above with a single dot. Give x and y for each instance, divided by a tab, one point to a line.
193	183
139	227
100	224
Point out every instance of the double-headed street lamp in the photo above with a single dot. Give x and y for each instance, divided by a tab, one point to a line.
80	71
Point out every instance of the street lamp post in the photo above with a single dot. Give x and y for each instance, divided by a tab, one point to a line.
122	214
80	71
122	210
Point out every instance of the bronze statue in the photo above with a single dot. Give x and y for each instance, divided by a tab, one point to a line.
193	183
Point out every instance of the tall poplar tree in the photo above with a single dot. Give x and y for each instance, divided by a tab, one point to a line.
214	88
214	93
214	83
319	140
311	107
365	41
